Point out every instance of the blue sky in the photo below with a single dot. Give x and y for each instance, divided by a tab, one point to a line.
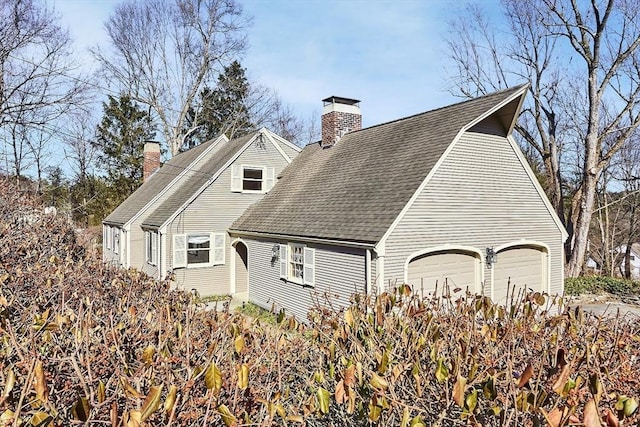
388	54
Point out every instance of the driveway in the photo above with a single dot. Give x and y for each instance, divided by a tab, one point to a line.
606	306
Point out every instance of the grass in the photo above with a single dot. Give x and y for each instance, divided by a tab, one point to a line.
257	312
197	299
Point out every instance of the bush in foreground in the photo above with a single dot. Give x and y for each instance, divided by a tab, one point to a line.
82	342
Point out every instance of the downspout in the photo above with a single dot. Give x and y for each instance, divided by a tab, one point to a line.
367	272
380	254
160	270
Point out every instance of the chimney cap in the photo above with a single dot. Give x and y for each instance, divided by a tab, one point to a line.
340	100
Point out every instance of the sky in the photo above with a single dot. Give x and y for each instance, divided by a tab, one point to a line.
387	54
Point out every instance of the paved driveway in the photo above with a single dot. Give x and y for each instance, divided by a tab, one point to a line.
610	309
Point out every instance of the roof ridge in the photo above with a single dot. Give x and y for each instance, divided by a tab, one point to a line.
513	88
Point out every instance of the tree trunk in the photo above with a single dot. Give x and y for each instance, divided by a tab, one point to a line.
627	260
581	227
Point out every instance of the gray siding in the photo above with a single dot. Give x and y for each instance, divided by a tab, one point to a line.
292	153
109	255
480	197
213	211
339	273
135	237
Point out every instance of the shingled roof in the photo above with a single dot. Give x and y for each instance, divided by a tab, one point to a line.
195	179
354	190
155	184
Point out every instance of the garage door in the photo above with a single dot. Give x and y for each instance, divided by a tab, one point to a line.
522	266
456	268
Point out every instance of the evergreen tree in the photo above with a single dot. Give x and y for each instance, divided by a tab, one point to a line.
223	109
120	136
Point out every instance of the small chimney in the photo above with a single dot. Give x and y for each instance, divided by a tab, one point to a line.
339	116
151	159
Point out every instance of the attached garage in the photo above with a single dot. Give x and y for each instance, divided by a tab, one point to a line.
522	266
456	268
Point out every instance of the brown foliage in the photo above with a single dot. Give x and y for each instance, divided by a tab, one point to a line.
84	342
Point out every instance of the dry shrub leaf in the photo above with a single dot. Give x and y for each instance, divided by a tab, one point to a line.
243	376
171	399
340	394
458	391
152	402
41	382
526	375
554	417
610	419
227	417
558	386
591	415
350	376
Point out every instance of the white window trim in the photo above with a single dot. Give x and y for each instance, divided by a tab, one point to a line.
109	235
217	250
116	239
151	239
237	178
308	264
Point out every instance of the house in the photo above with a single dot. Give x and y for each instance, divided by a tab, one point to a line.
439	198
177	220
634	260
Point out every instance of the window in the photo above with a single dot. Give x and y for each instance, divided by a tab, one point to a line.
107	236
251	179
297	264
632	258
198	249
116	239
151	247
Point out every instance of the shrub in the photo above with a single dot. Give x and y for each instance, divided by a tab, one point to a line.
85	343
601	284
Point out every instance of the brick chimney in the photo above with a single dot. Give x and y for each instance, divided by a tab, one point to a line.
151	159
339	116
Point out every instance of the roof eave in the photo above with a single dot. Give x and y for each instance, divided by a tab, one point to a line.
321	240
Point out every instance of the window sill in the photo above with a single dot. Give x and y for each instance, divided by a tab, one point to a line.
295	282
197	266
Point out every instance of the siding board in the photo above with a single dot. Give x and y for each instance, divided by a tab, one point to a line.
481	197
213	211
339	273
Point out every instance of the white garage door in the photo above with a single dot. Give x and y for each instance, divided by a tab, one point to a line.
455	268
519	266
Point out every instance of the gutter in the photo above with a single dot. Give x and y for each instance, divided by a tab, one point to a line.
333	242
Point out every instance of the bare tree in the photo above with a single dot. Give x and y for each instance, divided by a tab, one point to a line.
582	61
37	83
486	62
164	53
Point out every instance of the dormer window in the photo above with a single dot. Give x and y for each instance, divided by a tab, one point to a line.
251	179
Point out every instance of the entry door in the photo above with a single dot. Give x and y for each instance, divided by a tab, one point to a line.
241	267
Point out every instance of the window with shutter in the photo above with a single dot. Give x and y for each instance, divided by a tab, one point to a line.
179	250
270	179
151	245
116	240
297	264
309	266
284	261
108	240
218	248
236	178
251	179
